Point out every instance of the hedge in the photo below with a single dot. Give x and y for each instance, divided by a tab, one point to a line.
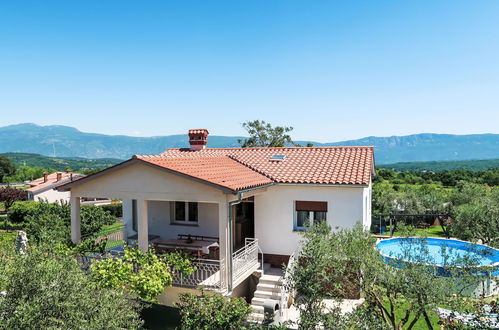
115	209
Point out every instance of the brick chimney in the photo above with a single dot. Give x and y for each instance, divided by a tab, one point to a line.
198	138
45	177
59	176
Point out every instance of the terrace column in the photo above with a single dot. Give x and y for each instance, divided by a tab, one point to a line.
75	220
223	234
142	225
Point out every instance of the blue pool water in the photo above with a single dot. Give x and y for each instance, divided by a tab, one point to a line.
439	251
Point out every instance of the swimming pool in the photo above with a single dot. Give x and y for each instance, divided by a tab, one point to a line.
438	251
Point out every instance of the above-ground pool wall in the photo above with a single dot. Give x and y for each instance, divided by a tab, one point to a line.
482	288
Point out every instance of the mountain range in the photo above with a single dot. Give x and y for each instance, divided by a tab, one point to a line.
65	141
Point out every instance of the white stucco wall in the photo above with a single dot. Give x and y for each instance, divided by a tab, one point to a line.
275	212
138	181
52	196
159	220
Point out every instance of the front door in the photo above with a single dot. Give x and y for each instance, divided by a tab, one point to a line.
243	221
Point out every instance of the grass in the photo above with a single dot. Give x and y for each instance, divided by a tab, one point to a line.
421	323
110	229
434	231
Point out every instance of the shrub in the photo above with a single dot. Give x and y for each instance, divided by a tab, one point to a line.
20	210
115	209
212	311
9	196
44	221
143	274
45	291
93	218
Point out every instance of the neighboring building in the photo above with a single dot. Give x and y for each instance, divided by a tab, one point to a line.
42	189
247	199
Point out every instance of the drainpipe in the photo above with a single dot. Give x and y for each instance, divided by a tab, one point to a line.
230	241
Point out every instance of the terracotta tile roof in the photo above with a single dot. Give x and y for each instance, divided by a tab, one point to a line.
39	184
221	170
308	165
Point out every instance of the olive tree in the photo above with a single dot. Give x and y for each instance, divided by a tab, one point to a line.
333	264
263	134
50	291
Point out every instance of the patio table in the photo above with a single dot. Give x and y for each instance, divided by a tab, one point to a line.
193	244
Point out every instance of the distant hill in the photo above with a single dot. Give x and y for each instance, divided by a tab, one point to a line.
64	141
434	166
60	164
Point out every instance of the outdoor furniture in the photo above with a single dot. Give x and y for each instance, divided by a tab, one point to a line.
198	248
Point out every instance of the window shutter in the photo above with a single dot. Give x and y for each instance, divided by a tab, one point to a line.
311	206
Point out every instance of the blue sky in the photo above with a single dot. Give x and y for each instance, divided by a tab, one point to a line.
333	70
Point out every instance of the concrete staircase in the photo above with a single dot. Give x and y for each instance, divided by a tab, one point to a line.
268	288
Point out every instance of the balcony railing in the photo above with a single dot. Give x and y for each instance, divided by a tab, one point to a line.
209	274
245	259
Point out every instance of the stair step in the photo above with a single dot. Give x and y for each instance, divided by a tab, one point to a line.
267	295
256	317
270	279
268	287
258	301
257	309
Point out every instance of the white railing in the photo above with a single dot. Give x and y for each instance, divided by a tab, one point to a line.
245	259
286	289
209	274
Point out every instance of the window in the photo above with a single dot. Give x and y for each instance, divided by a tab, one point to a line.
185	212
307	213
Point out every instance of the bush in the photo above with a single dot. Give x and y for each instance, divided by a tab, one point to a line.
45	291
143	274
21	210
93	218
9	196
44	221
212	311
115	209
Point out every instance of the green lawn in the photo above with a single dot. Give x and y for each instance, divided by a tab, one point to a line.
434	231
106	230
420	324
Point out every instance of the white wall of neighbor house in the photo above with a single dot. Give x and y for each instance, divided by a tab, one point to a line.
52	196
275	212
160	221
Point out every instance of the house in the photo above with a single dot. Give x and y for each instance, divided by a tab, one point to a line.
42	189
232	205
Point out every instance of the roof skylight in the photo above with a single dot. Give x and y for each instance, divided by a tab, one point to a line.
278	158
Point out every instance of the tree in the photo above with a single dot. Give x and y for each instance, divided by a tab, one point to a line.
27	173
478	220
398	296
144	275
9	195
262	134
7	168
45	222
47	291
